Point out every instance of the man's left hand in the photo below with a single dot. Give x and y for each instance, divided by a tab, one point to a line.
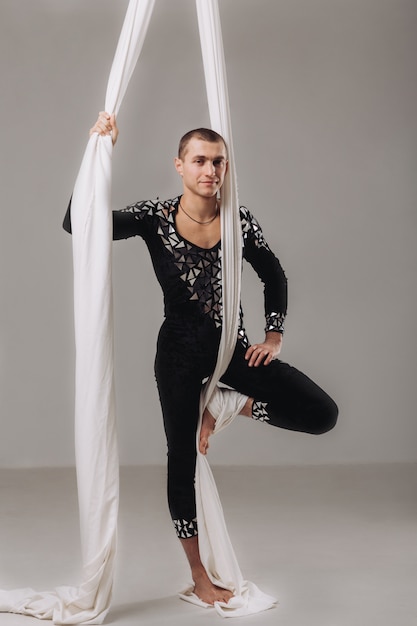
264	353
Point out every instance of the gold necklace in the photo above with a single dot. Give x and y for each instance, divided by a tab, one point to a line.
197	221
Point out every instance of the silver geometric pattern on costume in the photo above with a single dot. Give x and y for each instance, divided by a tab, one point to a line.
140	207
200	269
241	334
251	225
275	321
259	411
185	529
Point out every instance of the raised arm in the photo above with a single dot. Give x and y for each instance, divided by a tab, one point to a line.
126	223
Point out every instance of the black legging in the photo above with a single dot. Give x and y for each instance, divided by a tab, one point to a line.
186	354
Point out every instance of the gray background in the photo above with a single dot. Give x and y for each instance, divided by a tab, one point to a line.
323	102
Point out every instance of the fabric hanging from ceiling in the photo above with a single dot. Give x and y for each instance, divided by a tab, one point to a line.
216	551
95	420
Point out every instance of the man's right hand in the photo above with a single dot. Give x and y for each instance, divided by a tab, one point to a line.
106	125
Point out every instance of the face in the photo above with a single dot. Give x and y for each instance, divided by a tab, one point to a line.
203	167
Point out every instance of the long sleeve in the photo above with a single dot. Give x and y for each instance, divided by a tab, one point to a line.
128	222
267	266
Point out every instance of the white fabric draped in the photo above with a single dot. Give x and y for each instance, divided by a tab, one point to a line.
95	418
216	550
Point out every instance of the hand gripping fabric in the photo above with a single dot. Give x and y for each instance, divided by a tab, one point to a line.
95	431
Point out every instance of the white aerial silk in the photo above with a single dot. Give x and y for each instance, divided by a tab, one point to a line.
95	419
216	551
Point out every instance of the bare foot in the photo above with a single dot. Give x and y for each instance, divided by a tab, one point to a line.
207	592
203	587
207	427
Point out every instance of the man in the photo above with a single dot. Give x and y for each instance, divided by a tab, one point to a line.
184	239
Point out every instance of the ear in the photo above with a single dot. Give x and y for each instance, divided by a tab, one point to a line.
227	167
178	165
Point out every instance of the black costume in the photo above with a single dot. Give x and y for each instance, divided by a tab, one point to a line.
189	338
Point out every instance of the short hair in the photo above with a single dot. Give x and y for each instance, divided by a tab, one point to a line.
205	134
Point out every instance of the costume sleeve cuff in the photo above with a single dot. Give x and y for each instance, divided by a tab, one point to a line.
275	322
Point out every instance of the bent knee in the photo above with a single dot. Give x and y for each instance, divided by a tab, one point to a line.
326	419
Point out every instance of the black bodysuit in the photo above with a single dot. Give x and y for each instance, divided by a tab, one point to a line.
189	338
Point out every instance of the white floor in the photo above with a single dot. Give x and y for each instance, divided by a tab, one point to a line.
336	545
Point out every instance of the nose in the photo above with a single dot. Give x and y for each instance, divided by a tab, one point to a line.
210	170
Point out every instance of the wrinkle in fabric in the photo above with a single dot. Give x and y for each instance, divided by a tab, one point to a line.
95	419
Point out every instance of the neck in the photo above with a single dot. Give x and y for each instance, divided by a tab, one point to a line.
198	207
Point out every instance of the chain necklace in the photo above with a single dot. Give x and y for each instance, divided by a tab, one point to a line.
197	221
